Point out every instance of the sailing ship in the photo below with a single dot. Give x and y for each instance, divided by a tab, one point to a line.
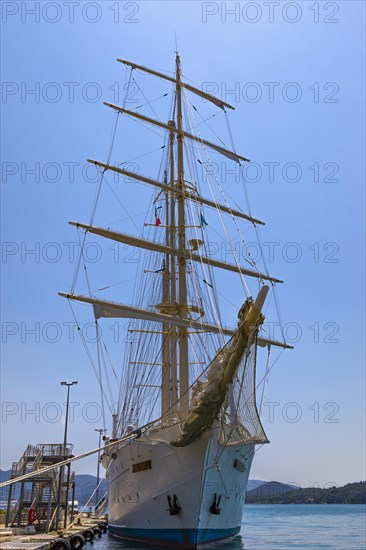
187	422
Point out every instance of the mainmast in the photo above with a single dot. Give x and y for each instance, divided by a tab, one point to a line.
173	284
182	262
169	394
165	352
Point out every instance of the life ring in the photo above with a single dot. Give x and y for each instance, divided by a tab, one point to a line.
97	532
31	516
77	541
88	535
61	544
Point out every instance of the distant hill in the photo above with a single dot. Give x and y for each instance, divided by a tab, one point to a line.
278	493
254	483
85	485
268	491
4	476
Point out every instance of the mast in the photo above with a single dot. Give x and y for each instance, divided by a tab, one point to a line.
182	263
165	352
173	284
169	384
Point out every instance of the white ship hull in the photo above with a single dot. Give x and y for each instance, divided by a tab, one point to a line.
195	476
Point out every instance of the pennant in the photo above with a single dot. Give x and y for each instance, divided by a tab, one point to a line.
203	221
157	219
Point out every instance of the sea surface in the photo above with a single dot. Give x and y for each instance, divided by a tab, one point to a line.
286	527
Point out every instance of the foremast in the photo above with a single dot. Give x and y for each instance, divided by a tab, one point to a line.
182	262
169	392
173	285
169	381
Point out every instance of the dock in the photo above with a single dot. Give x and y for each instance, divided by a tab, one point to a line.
42	517
72	538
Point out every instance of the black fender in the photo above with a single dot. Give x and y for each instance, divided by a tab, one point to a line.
88	534
97	532
77	541
61	544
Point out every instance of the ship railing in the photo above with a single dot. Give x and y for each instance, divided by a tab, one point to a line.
17	467
55	449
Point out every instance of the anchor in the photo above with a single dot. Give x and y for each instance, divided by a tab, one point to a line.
215	506
174	507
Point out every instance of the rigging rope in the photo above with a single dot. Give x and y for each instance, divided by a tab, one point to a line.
147	101
100	371
265	381
87	350
99	187
246	289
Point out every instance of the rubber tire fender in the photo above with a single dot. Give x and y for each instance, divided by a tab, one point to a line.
97	532
103	527
88	534
77	541
61	544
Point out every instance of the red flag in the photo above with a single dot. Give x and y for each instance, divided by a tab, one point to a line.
157	219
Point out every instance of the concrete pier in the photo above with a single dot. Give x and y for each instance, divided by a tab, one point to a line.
10	540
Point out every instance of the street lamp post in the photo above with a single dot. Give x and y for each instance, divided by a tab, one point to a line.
61	476
100	431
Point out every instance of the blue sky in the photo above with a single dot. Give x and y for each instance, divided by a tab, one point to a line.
297	70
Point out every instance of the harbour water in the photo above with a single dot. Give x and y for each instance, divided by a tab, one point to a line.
287	527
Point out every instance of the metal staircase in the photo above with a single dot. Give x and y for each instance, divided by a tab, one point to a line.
41	491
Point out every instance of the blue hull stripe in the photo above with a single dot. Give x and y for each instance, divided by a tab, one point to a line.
188	538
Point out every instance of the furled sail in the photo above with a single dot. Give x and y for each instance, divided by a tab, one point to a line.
176	191
229	154
157	247
197	91
221	372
